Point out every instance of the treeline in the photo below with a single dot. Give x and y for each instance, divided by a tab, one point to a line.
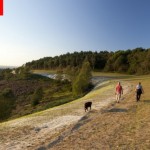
135	61
97	60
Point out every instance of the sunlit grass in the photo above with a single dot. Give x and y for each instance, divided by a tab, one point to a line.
62	94
52	112
67	108
110	74
44	71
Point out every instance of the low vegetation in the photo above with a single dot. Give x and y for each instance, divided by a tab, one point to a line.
7	101
25	93
31	92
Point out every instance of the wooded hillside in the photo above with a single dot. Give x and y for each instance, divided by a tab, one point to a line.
135	61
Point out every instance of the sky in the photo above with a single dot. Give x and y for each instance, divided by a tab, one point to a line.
33	29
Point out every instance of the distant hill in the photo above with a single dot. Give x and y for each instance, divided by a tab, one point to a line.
4	67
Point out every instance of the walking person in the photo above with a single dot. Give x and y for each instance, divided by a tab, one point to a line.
118	92
139	90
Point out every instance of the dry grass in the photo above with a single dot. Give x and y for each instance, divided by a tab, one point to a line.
123	126
39	127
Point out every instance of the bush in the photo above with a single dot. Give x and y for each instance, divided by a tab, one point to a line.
37	96
7	93
7	101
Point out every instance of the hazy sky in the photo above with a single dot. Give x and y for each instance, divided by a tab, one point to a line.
33	29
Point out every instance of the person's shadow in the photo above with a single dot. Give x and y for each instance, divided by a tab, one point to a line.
146	101
117	110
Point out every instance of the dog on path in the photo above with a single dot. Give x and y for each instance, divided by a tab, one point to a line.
87	105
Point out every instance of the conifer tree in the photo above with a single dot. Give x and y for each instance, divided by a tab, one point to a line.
83	79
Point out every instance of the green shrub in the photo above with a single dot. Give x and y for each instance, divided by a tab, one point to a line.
7	93
37	96
7	101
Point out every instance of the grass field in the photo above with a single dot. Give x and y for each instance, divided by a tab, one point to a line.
44	71
124	126
108	126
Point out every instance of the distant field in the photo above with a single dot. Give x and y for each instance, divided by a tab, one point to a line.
111	74
44	71
108	74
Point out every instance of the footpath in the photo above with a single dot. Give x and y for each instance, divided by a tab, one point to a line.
49	128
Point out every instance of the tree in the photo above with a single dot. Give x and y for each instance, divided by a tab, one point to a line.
121	64
71	72
83	80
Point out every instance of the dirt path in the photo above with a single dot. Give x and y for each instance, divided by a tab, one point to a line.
33	131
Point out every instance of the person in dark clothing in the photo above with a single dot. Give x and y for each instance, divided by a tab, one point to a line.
139	90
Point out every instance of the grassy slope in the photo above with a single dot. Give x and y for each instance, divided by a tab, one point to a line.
120	126
54	93
22	129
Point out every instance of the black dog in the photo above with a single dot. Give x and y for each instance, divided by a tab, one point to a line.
86	105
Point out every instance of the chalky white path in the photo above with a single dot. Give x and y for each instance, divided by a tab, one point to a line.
52	120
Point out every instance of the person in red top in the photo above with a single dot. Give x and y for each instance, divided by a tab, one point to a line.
119	92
